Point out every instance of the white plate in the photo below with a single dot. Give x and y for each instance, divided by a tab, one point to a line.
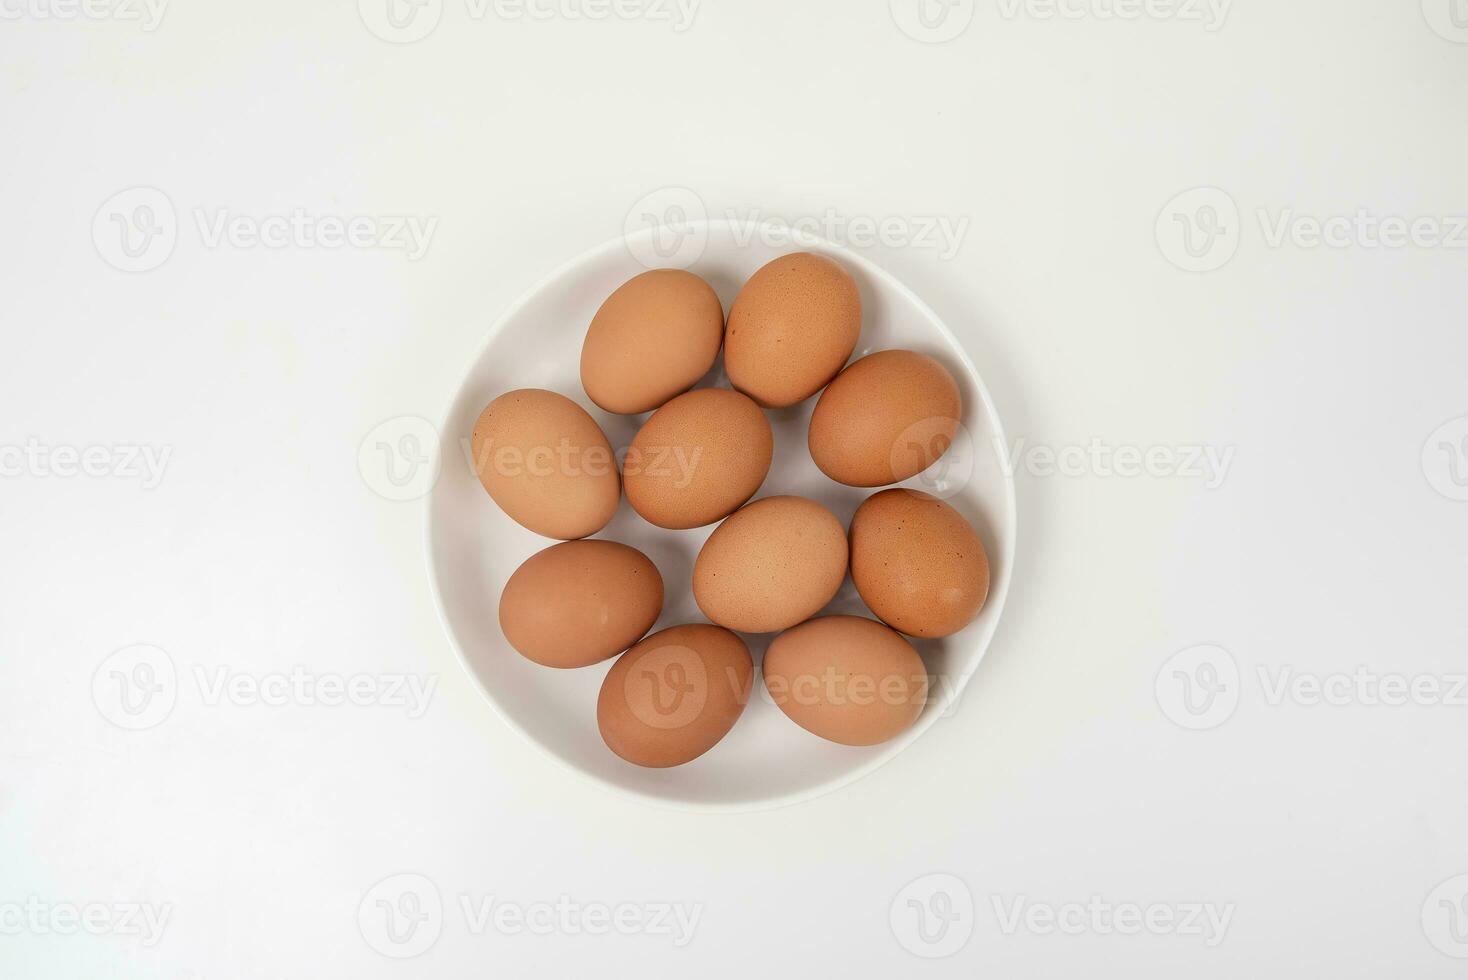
473	547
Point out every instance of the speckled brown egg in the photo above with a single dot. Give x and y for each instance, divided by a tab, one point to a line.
547	463
652	339
791	327
673	696
847	679
917	563
698	458
886	418
580	602
770	565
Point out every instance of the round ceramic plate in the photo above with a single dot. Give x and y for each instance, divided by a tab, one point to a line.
473	548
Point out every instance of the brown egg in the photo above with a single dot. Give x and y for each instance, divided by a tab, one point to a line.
580	602
917	563
698	459
546	463
792	326
672	697
770	565
847	679
884	419
652	339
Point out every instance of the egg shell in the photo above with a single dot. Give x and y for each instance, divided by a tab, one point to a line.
580	602
673	696
770	565
917	563
886	418
698	458
847	679
547	463
791	327
652	339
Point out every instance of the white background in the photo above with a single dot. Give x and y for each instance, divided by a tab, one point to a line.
260	829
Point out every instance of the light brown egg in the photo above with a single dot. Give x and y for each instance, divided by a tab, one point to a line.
917	563
652	339
791	327
547	463
698	459
580	602
847	679
770	565
886	418
673	696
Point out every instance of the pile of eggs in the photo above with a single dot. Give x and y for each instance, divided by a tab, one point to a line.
770	566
